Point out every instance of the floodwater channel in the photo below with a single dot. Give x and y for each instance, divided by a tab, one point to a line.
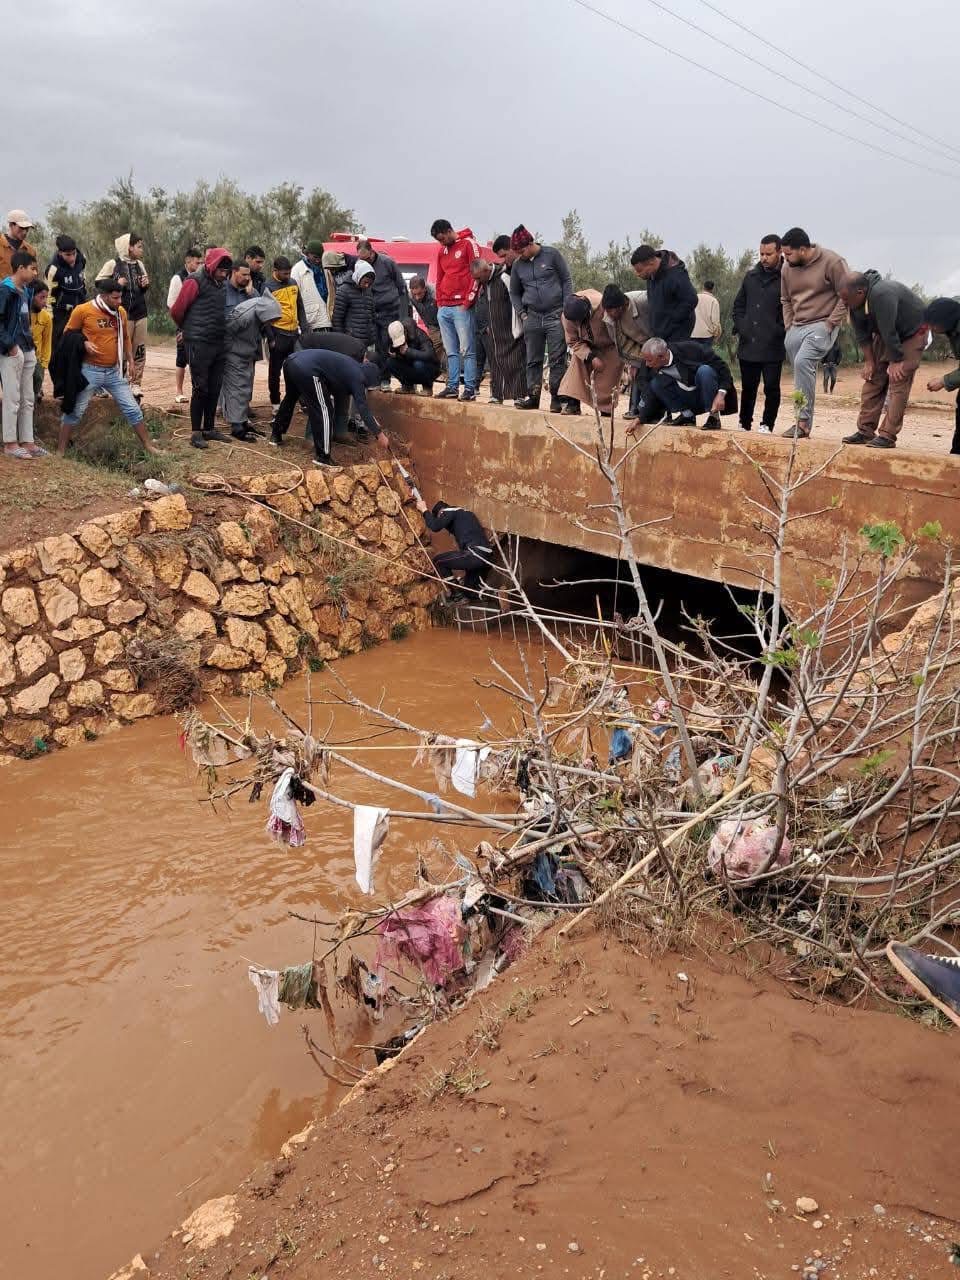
137	1078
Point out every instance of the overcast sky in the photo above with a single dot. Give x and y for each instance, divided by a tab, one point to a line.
504	112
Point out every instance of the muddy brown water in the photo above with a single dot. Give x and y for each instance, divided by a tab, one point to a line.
136	1077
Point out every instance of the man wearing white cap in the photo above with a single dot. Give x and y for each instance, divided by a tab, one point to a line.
412	359
19	223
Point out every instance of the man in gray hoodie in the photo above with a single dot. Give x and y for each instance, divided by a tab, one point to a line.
888	321
540	284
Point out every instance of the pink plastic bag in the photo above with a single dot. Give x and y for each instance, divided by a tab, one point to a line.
743	846
428	937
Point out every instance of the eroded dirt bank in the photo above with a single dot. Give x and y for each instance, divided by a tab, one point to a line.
597	1115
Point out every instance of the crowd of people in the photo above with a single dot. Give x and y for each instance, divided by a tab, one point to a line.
334	324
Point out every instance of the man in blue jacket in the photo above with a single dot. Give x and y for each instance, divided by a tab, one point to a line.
18	357
324	381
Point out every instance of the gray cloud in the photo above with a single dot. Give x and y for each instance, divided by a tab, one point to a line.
490	115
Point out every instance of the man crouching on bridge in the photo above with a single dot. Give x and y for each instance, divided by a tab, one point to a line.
473	551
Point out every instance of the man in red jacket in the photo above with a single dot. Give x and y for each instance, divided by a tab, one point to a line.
456	294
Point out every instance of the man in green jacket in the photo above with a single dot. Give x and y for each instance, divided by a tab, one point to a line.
888	322
943	316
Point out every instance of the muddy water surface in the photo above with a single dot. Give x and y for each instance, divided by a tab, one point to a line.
136	1077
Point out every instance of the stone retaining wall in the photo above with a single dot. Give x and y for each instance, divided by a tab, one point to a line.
241	602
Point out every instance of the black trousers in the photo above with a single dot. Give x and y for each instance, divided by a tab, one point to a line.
751	371
206	361
60	319
955	447
543	334
472	565
281	345
326	410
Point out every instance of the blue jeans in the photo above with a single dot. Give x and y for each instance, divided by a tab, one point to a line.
676	398
112	381
459	333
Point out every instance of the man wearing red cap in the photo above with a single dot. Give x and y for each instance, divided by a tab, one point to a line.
14	240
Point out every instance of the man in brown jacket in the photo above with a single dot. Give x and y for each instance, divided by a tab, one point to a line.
15	239
813	311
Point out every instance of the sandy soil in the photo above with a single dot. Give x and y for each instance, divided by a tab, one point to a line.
598	1113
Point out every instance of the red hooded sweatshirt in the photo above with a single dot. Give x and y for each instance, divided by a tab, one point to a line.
188	293
456	287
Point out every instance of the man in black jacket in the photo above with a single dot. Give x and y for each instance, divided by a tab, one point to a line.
324	381
686	378
67	283
473	553
412	360
758	322
671	297
390	298
889	323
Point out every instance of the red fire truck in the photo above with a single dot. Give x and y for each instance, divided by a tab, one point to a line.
413	257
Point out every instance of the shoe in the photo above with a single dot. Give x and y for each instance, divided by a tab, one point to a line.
528	402
448	393
796	433
16	452
325	461
458	597
494	400
468	395
246	436
180	399
882	442
858	437
405	391
631	414
556	406
276	439
668	420
385	385
426	391
686	419
764	430
255	431
712	423
199	442
746	426
937	978
216	435
571	410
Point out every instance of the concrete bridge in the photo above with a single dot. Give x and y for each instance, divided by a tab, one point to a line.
520	478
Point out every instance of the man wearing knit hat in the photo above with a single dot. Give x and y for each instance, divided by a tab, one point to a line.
14	240
540	284
627	318
308	276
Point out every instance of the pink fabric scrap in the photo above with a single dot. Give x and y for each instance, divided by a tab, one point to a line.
743	846
429	937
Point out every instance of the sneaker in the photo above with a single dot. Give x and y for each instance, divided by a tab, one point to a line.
326	461
633	413
937	978
448	393
686	419
712	423
276	439
746	426
199	442
468	395
405	391
216	435
764	430
245	435
426	391
385	385
494	400
858	437
882	442
529	402
180	399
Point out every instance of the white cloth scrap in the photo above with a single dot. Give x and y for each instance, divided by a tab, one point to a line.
370	827
470	756
267	982
285	824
